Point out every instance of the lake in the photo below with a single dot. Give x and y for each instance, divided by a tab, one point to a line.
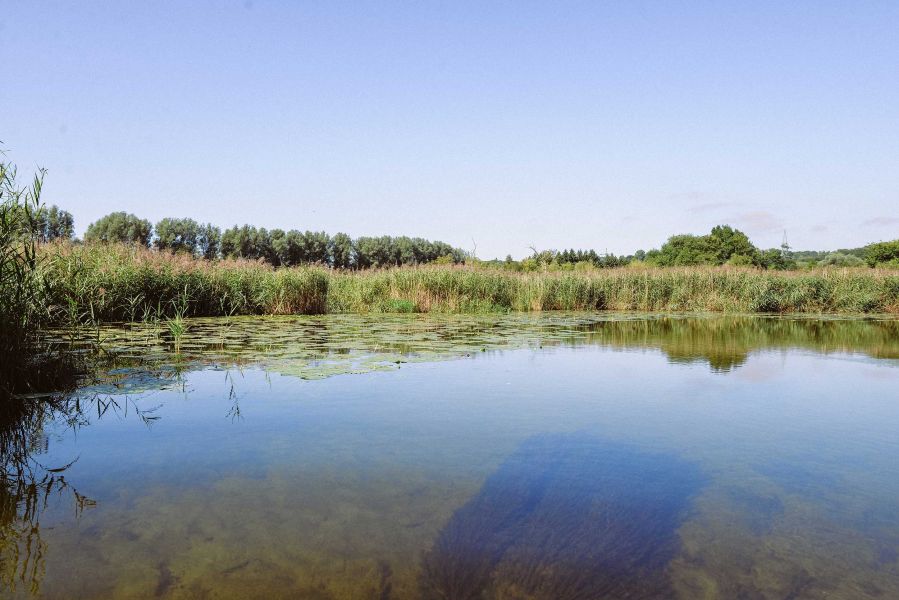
546	456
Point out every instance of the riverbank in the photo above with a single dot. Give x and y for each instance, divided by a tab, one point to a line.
102	283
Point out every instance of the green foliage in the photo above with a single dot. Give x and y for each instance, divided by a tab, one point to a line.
23	224
209	240
386	251
773	258
121	283
53	224
723	245
177	235
882	253
839	259
727	242
293	248
740	260
120	227
186	235
342	251
685	250
102	283
591	257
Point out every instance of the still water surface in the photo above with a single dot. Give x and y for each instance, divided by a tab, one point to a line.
566	456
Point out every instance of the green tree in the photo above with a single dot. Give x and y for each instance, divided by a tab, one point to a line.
725	242
341	251
209	240
120	227
841	259
53	223
316	247
773	258
177	235
882	252
239	242
685	250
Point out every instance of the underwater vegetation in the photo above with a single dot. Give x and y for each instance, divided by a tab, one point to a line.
566	517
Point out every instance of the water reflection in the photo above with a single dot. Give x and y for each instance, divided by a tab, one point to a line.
461	479
566	517
28	487
314	347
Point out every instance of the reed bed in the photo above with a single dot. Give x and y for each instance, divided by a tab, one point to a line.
99	283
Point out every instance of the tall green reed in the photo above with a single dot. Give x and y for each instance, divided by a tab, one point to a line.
118	283
21	290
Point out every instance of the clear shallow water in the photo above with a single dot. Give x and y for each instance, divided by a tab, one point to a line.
559	456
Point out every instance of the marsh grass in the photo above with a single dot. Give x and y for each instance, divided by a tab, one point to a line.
21	284
109	283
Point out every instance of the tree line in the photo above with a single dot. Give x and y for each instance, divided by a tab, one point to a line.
276	246
723	245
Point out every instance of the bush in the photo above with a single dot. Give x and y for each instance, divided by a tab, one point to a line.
882	253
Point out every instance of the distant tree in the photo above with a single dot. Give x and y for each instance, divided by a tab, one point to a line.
718	247
53	223
120	227
740	260
773	258
840	259
261	241
209	240
685	250
882	253
316	246
280	247
177	235
341	251
240	242
373	252
725	242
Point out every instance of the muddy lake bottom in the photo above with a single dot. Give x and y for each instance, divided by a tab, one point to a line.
559	456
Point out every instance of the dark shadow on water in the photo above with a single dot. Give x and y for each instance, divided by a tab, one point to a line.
566	517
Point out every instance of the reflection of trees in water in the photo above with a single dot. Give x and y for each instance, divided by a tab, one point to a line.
567	517
726	342
722	341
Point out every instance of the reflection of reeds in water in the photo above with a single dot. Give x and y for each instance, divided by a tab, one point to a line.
28	487
567	517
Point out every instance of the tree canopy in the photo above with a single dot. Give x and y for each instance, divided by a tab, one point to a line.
882	253
120	227
723	245
53	223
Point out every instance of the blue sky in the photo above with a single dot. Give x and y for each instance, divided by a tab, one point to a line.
555	124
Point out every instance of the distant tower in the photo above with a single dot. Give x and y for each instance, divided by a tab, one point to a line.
785	246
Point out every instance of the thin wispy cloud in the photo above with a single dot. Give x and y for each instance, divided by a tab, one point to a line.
693	195
881	222
757	221
708	207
